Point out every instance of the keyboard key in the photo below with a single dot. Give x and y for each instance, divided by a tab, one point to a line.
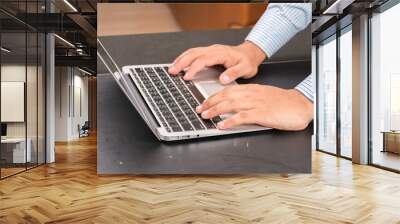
168	98
166	114
175	99
208	123
216	119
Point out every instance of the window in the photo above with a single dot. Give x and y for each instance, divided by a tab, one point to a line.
346	92
22	101
385	89
333	137
327	95
15	146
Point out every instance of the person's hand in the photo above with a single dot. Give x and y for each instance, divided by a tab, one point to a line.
285	109
239	61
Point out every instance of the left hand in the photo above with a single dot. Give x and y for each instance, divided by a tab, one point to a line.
285	109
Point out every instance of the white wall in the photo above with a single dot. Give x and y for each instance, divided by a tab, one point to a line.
17	73
70	83
12	73
62	81
33	126
13	101
80	109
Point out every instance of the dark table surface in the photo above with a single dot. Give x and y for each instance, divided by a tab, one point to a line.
127	146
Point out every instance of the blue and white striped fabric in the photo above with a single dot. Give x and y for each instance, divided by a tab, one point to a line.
306	87
279	23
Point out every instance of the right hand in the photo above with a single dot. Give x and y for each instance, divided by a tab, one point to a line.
240	61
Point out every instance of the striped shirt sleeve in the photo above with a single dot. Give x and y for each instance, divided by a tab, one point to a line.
279	23
306	87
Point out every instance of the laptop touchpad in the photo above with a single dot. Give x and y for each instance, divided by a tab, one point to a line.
207	82
209	88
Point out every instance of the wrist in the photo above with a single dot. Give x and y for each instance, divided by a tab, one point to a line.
253	51
305	106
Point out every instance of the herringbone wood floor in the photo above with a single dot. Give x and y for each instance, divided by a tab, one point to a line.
69	191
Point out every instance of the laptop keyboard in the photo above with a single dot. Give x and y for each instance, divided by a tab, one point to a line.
173	99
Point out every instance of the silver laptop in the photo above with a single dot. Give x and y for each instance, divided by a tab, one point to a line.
167	103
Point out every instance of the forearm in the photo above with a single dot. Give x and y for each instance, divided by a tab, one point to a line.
253	51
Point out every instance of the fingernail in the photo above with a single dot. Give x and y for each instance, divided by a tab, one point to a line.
225	79
204	114
186	77
198	109
171	69
220	125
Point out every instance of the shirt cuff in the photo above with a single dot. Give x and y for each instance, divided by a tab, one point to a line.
306	88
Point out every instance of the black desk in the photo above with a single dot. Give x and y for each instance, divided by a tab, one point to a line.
127	146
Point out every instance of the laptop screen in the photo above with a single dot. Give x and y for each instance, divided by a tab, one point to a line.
3	129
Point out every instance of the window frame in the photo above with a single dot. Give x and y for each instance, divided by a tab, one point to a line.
333	37
381	9
27	29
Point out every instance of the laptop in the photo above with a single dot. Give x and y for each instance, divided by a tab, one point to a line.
3	131
167	103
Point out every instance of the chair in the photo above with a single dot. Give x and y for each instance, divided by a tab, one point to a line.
84	130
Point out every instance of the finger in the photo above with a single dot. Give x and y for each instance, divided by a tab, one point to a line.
184	60
243	117
226	107
182	54
231	92
200	63
172	69
191	50
231	74
241	70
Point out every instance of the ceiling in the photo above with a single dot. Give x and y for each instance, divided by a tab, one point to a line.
72	20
